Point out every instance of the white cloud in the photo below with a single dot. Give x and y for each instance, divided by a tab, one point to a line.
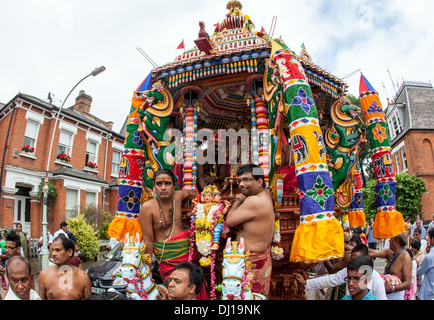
48	46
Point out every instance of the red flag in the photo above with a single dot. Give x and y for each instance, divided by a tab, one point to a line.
181	45
217	25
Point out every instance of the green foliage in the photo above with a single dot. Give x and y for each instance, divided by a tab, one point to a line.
369	200
409	190
51	195
98	219
86	237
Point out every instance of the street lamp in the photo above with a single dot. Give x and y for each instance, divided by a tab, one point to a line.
94	73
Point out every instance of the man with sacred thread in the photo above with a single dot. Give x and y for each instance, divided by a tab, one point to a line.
253	210
161	222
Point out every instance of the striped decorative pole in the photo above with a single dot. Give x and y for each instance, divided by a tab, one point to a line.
255	142
356	215
262	125
388	221
319	236
188	147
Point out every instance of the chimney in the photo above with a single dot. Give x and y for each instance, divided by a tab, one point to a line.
82	102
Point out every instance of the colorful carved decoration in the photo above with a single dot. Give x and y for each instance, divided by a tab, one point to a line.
135	271
319	235
189	149
205	228
388	221
235	284
146	140
344	140
155	112
356	214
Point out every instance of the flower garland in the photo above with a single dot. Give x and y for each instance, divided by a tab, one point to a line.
137	281
202	233
276	248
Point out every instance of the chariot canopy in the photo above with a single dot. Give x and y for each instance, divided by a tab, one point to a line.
246	97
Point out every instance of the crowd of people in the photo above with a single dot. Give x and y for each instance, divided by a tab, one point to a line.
408	273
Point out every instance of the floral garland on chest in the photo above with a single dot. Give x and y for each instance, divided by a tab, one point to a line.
202	225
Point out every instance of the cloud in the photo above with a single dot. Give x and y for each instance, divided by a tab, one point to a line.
48	46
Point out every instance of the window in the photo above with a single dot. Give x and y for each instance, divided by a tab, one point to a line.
404	159
91	151
398	162
116	160
31	133
71	203
65	141
395	126
90	199
390	130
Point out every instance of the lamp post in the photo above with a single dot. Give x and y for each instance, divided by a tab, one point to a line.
94	73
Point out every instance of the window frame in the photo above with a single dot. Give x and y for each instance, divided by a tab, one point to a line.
68	210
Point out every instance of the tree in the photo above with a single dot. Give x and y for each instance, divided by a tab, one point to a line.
86	238
409	190
98	219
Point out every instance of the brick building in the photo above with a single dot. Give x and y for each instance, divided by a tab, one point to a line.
410	118
82	137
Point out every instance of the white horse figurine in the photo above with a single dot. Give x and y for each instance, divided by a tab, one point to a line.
235	285
136	272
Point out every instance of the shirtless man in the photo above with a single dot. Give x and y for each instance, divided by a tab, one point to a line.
63	281
253	211
157	220
398	264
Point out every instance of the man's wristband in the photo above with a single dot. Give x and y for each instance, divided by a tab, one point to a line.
237	199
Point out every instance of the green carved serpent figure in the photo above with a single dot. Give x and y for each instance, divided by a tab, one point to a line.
154	119
344	140
273	88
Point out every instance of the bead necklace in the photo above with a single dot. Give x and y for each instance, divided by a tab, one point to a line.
166	224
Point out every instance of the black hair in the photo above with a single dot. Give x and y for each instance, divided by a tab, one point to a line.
357	263
13	237
19	258
256	171
356	239
401	239
63	224
66	243
431	233
409	252
362	248
82	257
196	274
165	171
415	243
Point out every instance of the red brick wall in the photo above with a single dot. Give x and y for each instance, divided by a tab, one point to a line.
420	160
56	213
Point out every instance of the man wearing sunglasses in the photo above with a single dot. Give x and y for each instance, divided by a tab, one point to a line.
253	212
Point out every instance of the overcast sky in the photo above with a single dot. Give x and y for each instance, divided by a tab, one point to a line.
49	45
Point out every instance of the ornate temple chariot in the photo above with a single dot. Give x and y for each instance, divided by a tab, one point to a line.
301	129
